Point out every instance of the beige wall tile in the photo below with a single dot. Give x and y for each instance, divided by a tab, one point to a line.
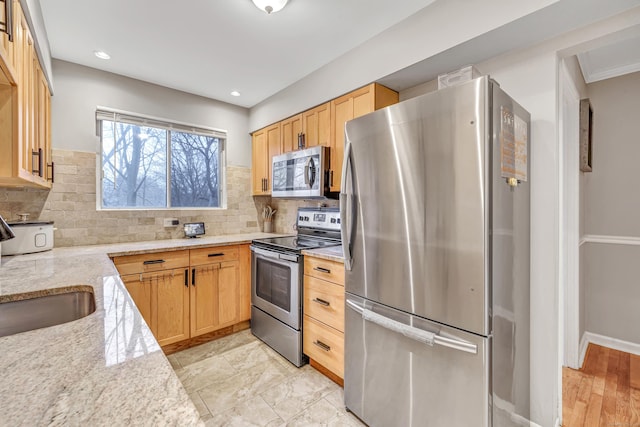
71	204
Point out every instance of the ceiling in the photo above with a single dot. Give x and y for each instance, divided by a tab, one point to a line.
213	47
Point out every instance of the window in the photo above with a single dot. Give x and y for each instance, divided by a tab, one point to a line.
150	163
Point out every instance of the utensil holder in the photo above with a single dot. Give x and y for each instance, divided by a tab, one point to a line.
267	226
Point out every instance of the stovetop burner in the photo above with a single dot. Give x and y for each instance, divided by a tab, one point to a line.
295	243
317	228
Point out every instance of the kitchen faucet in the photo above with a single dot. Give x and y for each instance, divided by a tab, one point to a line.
5	231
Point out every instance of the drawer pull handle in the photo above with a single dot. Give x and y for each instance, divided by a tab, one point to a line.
322	270
218	254
193	276
322	302
322	345
153	261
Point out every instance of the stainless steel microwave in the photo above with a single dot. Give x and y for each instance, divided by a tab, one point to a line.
302	174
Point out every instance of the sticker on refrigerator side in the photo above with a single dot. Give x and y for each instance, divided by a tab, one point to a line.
513	145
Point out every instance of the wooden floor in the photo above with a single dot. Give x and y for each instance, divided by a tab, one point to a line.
605	392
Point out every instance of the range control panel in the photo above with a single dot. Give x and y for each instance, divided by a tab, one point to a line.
322	218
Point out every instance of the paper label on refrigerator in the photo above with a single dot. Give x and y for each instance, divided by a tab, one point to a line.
513	145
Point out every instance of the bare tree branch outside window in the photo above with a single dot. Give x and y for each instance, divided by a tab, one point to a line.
134	166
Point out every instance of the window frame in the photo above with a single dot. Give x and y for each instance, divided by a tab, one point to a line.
115	115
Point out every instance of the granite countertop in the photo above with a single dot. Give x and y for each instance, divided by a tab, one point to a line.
103	369
332	253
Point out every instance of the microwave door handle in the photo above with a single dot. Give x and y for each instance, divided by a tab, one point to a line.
308	173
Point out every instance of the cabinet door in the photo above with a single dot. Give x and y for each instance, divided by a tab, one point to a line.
172	306
274	148
316	126
140	290
228	293
244	256
215	297
204	290
259	152
290	128
341	112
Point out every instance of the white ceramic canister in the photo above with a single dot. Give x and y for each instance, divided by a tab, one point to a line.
31	236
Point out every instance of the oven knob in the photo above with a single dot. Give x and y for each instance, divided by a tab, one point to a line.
306	218
338	220
301	218
333	220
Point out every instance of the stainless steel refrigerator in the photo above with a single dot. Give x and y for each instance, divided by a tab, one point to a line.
435	229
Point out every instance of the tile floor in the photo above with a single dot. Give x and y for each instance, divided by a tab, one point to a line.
239	381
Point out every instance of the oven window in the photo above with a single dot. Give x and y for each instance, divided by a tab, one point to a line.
273	283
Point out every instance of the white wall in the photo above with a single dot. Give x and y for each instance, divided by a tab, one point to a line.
79	90
612	208
421	36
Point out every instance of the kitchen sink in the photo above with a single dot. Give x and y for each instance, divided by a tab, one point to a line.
44	311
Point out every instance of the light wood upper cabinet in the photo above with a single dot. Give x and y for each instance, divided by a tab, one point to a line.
25	115
347	107
316	126
290	128
259	171
266	143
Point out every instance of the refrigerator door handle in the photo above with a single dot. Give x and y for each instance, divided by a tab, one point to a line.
415	334
345	233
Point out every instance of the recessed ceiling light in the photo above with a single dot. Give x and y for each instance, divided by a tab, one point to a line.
101	54
235	93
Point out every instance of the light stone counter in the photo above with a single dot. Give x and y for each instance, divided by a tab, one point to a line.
103	369
332	253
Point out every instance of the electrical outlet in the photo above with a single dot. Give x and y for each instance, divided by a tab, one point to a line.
171	222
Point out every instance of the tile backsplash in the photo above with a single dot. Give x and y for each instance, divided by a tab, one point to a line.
71	204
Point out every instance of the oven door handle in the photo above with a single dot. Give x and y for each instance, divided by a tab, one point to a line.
265	253
283	258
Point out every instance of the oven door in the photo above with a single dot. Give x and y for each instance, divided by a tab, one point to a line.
275	284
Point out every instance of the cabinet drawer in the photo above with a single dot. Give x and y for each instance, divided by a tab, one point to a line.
132	264
324	344
324	269
214	254
324	301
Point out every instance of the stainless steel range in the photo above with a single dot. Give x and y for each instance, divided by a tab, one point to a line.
276	280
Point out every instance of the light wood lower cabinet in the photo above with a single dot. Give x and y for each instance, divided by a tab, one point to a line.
163	300
215	297
189	293
323	323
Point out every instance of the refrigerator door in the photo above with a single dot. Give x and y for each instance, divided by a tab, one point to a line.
414	205
394	377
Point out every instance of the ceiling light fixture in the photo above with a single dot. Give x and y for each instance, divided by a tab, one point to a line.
101	54
235	93
270	6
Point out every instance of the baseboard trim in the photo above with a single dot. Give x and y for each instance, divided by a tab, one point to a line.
201	339
614	343
584	344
